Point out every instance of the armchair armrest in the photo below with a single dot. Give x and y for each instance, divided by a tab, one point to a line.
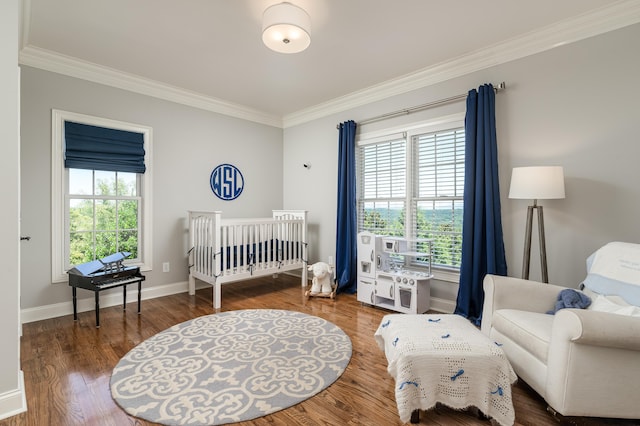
515	293
596	329
591	351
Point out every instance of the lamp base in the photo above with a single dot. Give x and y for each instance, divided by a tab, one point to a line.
526	259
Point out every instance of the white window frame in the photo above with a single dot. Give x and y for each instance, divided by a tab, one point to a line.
59	227
429	126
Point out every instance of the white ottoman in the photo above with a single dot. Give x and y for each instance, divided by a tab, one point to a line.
445	359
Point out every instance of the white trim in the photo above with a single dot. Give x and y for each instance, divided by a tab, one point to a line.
434	125
58	117
446	276
386	137
57	205
608	18
442	305
106	300
24	24
15	401
55	62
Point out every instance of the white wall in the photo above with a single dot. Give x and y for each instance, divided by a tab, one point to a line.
12	399
574	106
187	144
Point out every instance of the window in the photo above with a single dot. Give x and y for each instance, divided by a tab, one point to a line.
103	214
98	212
411	185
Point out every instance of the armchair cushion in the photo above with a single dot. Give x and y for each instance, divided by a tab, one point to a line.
530	330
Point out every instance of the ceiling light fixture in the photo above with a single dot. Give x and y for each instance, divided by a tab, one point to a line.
286	28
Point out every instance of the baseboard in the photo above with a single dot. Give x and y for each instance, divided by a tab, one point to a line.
106	300
442	305
113	299
15	401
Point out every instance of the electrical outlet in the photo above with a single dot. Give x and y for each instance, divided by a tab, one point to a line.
330	260
166	267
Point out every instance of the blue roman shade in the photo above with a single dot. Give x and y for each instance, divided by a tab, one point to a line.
100	148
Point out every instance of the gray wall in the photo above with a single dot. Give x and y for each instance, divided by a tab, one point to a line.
187	144
574	106
571	106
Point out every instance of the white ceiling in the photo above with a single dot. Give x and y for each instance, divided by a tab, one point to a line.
211	52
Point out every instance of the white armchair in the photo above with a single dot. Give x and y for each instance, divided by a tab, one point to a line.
582	362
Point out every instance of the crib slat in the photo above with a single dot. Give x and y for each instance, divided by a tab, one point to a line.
246	234
229	247
224	254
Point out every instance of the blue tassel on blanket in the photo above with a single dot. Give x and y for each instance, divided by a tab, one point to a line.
570	298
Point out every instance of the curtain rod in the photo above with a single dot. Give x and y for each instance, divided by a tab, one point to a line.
406	111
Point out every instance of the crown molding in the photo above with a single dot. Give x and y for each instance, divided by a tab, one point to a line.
617	15
609	18
51	61
24	24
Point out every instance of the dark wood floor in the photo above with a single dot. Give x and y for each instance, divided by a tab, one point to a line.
67	364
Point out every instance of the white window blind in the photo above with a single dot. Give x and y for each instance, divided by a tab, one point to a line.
438	201
383	186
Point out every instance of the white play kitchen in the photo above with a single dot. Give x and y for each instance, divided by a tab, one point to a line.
384	277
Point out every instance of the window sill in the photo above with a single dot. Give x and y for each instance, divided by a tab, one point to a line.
446	276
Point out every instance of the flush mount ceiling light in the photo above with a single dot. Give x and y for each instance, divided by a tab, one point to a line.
286	28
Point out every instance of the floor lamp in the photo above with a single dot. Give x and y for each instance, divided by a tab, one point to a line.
536	183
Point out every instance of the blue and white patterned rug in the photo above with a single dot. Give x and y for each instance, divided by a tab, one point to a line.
230	367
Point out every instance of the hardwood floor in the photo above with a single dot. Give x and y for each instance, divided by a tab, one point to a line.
67	364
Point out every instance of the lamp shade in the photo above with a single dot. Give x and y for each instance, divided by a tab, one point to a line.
537	183
286	28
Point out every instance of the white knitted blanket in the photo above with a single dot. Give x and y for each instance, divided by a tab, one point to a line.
444	358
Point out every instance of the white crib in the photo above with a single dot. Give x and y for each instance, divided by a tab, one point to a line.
229	250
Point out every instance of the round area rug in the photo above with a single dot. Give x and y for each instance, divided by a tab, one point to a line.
230	367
